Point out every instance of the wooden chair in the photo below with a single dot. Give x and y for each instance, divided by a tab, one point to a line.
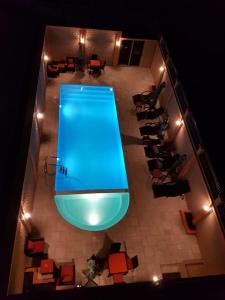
70	63
66	273
34	246
118	278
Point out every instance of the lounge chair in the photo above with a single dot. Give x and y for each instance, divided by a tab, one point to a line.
157	152
151	114
143	98
153	129
166	164
150	142
149	97
171	189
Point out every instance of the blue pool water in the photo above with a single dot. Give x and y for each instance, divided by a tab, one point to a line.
90	158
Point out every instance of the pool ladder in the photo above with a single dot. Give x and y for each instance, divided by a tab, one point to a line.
63	170
47	162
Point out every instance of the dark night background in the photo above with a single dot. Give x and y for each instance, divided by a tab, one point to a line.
195	34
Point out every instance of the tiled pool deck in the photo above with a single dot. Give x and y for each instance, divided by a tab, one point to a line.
151	229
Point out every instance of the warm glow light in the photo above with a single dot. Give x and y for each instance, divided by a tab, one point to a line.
118	42
179	122
93	219
207	208
46	58
26	216
82	40
162	68
155	278
40	115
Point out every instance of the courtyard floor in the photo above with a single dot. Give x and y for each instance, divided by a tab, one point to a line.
151	229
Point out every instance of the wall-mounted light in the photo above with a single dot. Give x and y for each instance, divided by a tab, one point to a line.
161	68
207	208
46	58
179	122
25	215
118	42
155	279
40	115
82	39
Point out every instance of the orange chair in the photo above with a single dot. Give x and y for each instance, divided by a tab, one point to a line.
34	246
67	274
118	278
70	63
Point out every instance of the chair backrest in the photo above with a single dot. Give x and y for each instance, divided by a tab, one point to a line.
134	261
94	56
115	247
103	65
67	273
70	60
118	278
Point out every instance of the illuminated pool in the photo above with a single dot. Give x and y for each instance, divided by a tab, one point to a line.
91	182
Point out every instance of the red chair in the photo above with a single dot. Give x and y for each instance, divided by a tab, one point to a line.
52	70
62	66
67	274
70	64
34	246
118	278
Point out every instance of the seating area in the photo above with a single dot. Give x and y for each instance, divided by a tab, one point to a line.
116	261
164	162
95	65
45	272
54	68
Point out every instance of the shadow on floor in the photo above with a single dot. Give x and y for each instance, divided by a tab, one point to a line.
131	140
103	252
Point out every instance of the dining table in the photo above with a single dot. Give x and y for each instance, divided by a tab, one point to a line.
95	63
119	263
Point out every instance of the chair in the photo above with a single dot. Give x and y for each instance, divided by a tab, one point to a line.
52	70
118	278
94	56
160	151
90	283
102	67
164	164
150	142
34	247
151	114
154	129
62	66
171	189
143	98
134	261
149	97
66	273
70	63
115	247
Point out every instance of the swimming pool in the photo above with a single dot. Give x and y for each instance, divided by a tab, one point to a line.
91	183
